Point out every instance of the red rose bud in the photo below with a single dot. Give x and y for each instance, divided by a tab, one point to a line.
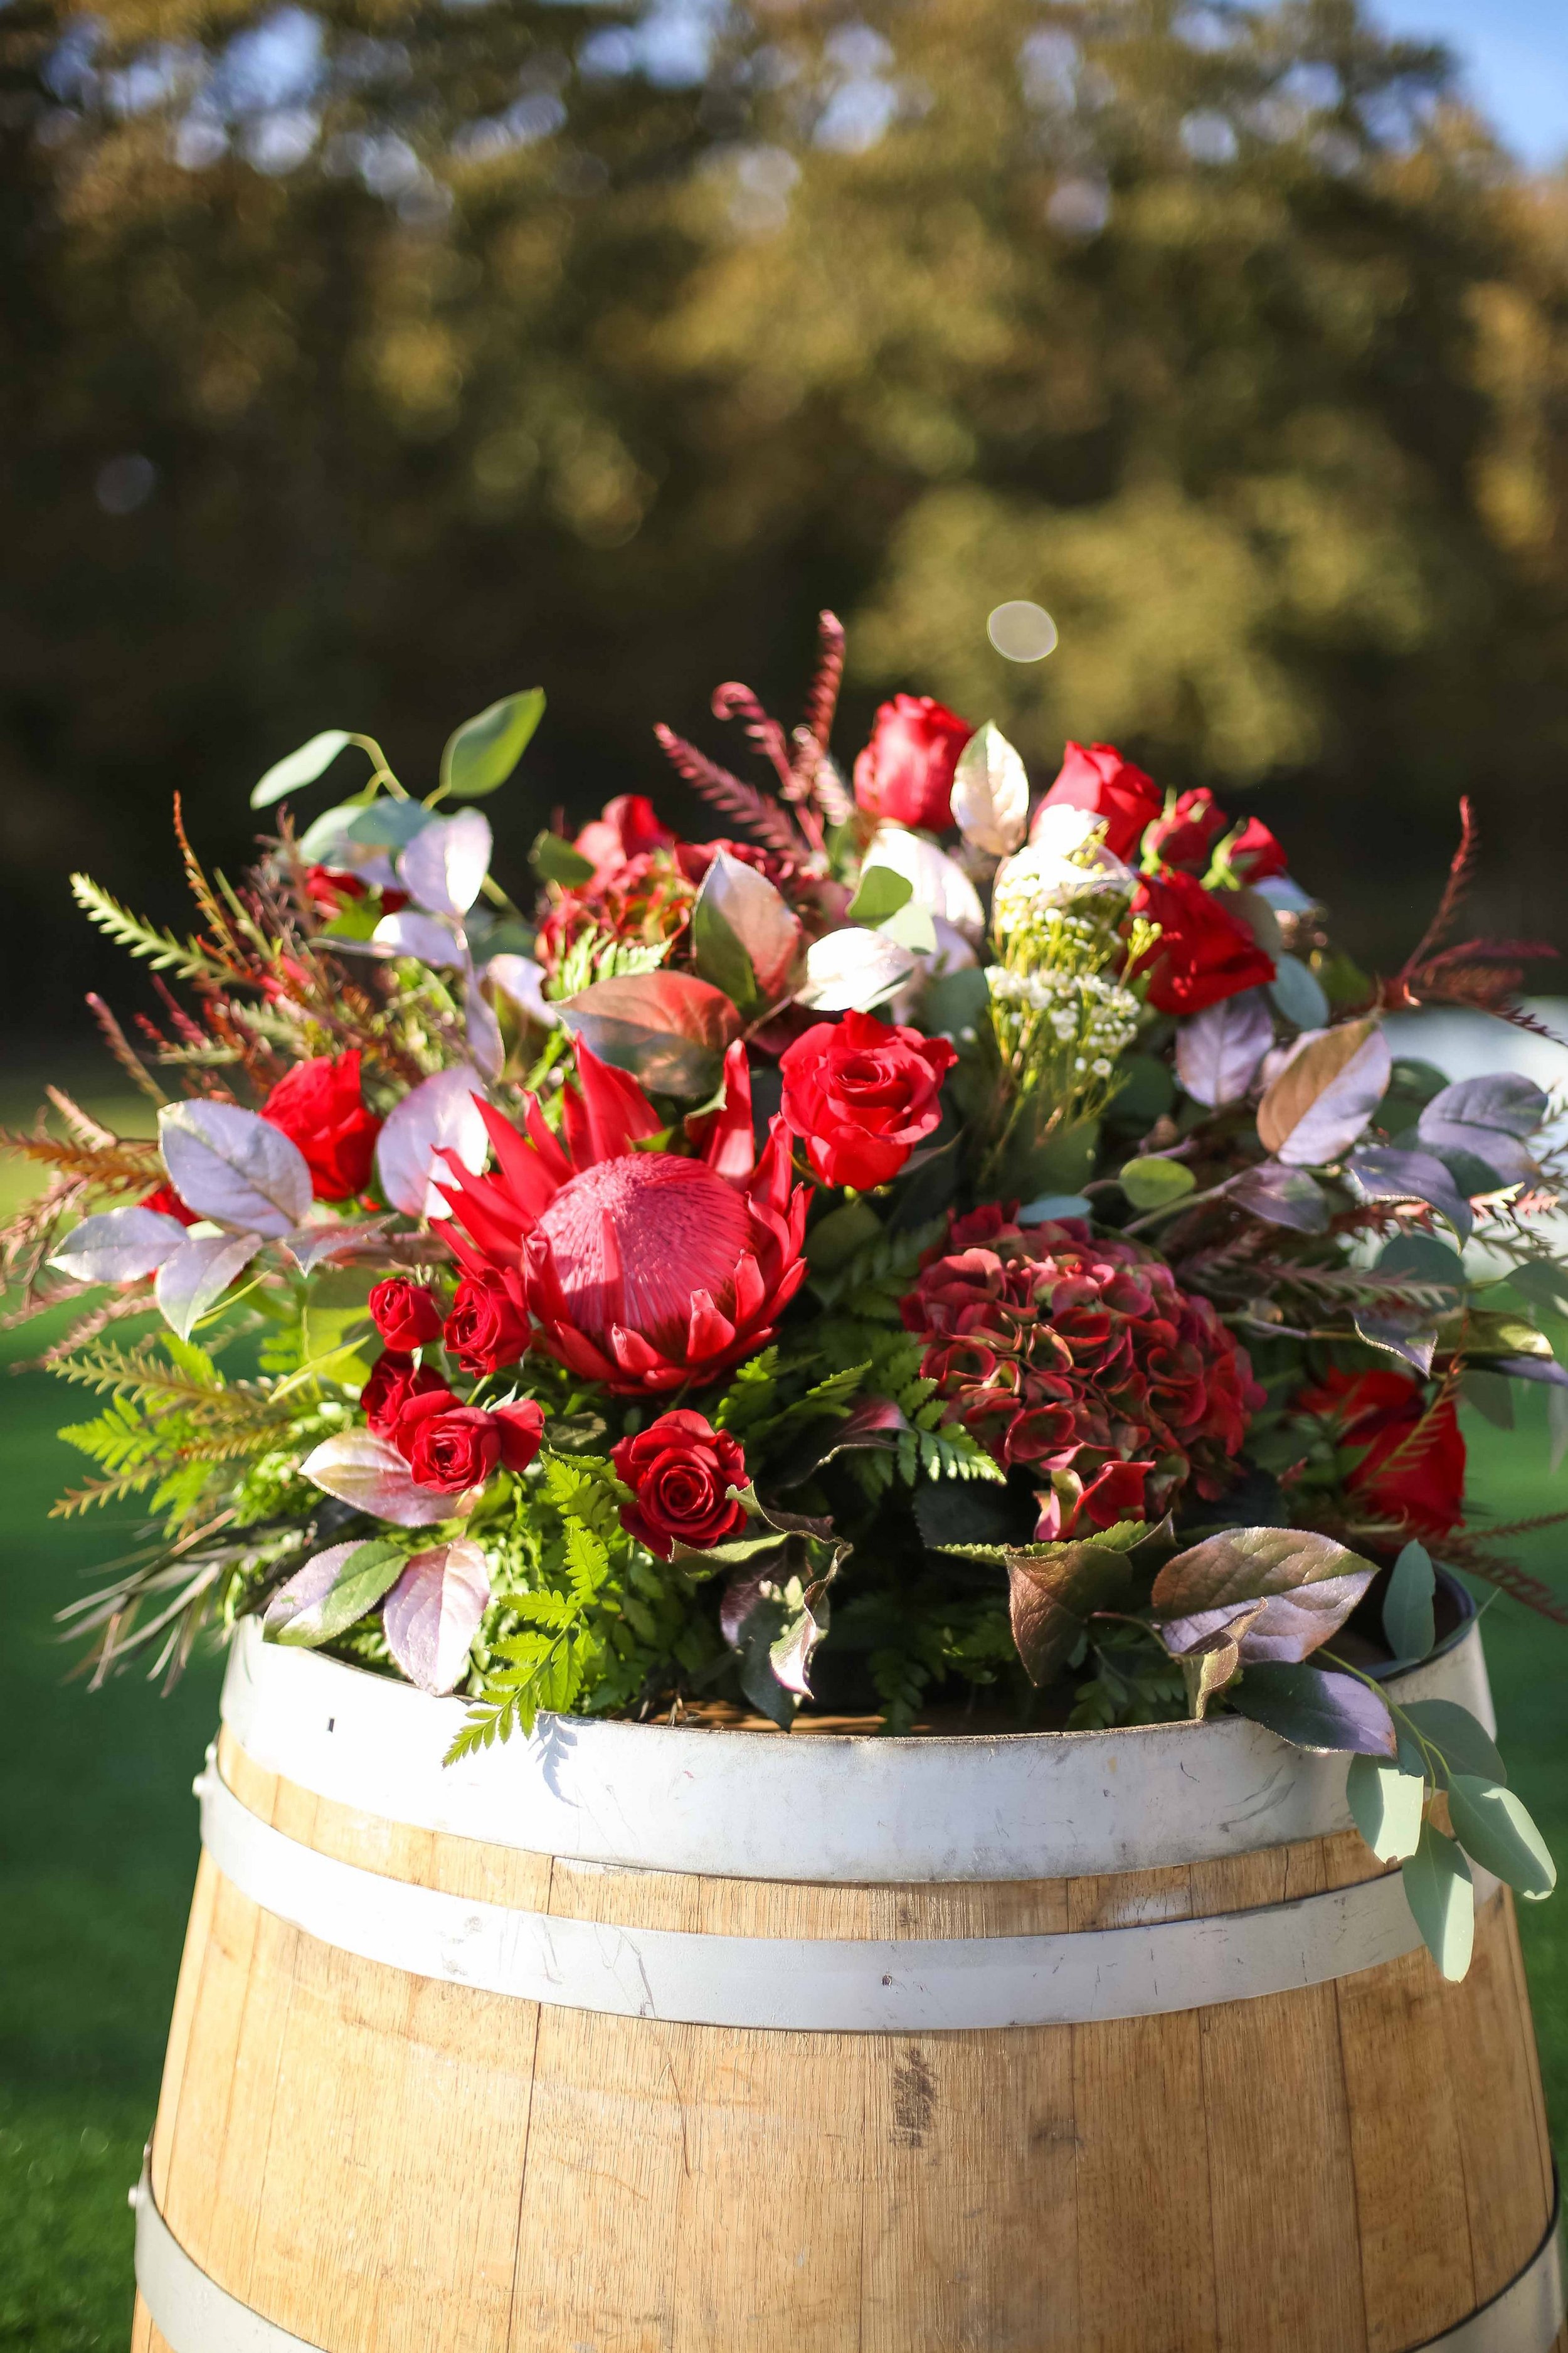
628	828
330	887
168	1204
679	1470
1095	778
407	1314
1254	854
395	1378
486	1327
1186	838
1203	953
862	1093
319	1106
1412	1469
905	772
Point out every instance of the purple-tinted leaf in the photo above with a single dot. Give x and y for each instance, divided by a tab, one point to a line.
483	1031
1382	1174
521	982
234	1166
199	1274
1322	1099
1529	1368
438	1115
407	933
875	1421
332	1592
1281	1197
1287	1626
1406	1332
1489	1148
313	1245
773	1624
1313	1708
1501	1099
1242	1565
433	1612
444	867
368	1472
1219	1049
118	1245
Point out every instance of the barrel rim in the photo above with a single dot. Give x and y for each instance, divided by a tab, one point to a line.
1390	1671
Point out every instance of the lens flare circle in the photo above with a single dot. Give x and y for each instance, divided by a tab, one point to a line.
1022	631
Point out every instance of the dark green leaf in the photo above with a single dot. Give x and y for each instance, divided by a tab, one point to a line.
557	861
1463	1745
1409	1623
833	1241
1051	1600
1316	1709
720	958
484	751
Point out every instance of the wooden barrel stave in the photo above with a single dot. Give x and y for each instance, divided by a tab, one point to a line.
342	2147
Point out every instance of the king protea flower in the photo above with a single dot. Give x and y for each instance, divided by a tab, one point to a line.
642	1270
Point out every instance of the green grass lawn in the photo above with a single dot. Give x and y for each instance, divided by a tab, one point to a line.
99	1845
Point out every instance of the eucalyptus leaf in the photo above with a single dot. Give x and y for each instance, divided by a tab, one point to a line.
1490	1395
1053	1207
484	751
1494	1827
1463	1745
1281	1197
1382	1174
1409	1620
1152	1183
879	894
299	768
1442	1899
1298	993
558	861
1385	1806
1219	1050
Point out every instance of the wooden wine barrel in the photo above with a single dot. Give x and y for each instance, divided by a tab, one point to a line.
638	2040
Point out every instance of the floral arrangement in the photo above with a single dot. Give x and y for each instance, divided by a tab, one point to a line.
931	1246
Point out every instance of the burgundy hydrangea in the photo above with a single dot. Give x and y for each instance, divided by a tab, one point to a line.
1082	1362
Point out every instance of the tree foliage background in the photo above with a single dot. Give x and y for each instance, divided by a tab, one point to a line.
361	362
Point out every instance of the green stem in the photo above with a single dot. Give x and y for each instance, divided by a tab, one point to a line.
1174	1209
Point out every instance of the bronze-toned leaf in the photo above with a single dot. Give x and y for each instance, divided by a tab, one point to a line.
1050	1601
1322	1099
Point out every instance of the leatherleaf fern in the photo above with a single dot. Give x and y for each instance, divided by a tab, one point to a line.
171	1421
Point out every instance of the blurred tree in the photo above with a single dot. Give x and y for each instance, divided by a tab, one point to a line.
364	362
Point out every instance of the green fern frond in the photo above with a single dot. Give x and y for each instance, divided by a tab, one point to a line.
186	958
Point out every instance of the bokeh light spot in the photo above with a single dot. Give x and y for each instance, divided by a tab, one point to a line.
1021	632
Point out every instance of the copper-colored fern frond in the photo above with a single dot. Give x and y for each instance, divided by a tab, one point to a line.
822	702
743	802
733	700
1461	873
124	1053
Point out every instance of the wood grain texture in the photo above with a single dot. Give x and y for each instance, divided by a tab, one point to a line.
384	2164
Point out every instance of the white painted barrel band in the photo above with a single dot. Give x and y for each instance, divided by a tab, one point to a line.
190	2310
811	1985
196	2316
826	1807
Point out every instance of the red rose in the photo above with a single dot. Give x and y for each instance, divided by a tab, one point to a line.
168	1204
395	1378
1095	777
330	887
1186	838
628	828
407	1314
1255	854
319	1106
905	772
1413	1469
452	1447
862	1093
486	1326
1203	953
679	1470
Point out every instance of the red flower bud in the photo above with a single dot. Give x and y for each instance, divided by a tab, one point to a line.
407	1314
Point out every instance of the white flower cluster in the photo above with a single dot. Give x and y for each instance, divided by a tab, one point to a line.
1084	1008
1066	861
